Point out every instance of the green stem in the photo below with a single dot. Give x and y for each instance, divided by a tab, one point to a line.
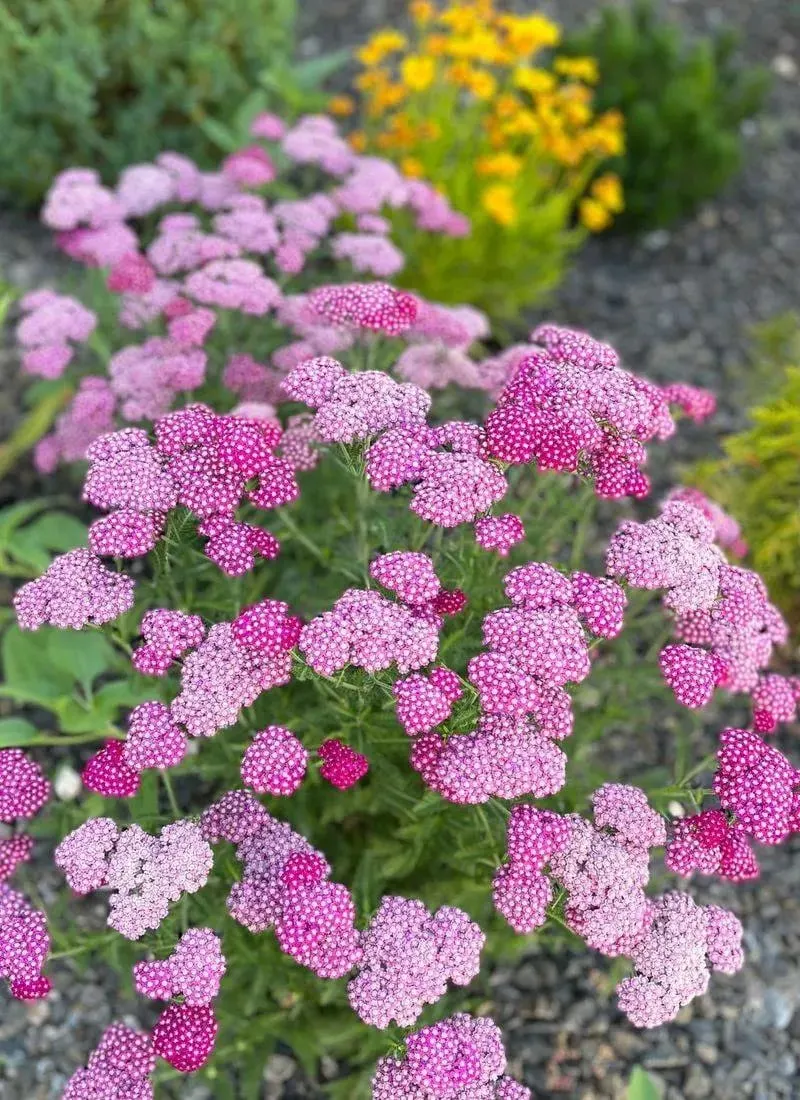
171	795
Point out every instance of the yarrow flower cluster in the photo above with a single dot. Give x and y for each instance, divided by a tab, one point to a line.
603	867
533	649
569	406
215	248
368	631
408	957
144	873
285	885
185	1032
724	621
460	1056
121	1065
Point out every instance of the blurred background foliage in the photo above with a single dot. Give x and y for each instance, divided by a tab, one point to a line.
758	477
107	83
684	101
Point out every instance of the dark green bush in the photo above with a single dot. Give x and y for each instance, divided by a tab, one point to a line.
683	101
105	83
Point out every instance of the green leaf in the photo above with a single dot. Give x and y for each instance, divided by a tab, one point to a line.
16	731
82	654
27	677
642	1086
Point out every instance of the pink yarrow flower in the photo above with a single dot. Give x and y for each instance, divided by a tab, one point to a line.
121	1065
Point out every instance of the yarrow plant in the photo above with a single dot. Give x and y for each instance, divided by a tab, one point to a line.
347	759
477	101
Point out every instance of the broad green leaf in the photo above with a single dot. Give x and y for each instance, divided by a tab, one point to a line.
82	654
642	1086
15	731
26	675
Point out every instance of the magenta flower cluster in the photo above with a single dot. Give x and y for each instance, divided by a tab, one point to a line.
462	1056
533	649
568	405
603	868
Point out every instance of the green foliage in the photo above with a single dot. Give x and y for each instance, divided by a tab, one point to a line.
107	83
642	1086
683	102
31	532
758	479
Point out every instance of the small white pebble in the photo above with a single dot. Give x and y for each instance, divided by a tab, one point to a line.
785	66
67	783
676	809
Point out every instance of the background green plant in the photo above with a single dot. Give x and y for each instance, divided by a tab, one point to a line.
758	479
683	100
106	83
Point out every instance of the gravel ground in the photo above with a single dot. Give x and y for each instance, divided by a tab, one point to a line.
678	305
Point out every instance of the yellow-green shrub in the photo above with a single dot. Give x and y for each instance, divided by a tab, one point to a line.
758	479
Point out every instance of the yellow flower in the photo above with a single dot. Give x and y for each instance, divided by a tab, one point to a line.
417	72
460	73
435	45
412	167
593	215
498	202
534	81
430	130
390	95
500	164
358	140
506	105
341	105
578	68
460	18
522	124
483	84
607	189
529	33
380	46
422	11
607	137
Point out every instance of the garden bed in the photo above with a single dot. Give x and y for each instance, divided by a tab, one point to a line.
677	304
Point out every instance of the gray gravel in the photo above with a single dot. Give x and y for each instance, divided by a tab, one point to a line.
677	305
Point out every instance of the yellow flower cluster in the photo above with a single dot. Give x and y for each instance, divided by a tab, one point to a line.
465	86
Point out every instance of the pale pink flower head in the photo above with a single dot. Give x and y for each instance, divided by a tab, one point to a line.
409	575
313	381
268	126
248	223
102	247
153	740
234	284
168	635
275	762
625	809
142	188
775	698
375	307
76	590
368	253
54	319
499	533
185	175
76	197
409	957
249	167
314	139
193	971
23	787
84	853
